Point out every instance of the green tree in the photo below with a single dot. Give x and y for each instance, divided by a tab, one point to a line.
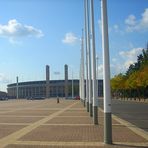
135	80
118	85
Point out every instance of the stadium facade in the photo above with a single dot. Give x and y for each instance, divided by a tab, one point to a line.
48	88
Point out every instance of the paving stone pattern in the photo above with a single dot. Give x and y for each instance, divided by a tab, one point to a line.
46	124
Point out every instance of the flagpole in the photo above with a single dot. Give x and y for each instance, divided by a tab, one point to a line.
94	86
89	60
86	48
106	70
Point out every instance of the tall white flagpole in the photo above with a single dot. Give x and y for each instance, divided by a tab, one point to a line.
97	58
80	80
89	61
82	70
106	70
86	48
95	100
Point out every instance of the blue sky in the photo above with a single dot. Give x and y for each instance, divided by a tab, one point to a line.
34	33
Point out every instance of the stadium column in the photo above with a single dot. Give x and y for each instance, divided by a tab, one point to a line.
66	80
106	71
95	100
17	93
47	82
86	48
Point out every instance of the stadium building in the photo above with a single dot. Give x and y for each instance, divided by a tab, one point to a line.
48	88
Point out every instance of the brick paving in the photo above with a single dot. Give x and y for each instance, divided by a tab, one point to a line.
31	112
65	133
70	120
64	125
5	130
19	119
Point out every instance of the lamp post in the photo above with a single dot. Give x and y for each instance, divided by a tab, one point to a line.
106	70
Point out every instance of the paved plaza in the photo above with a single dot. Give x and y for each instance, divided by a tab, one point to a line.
46	124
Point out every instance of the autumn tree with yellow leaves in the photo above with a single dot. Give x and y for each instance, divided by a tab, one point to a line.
134	83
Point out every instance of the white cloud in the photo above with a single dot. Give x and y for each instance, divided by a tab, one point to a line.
3	78
15	30
116	27
131	20
129	57
114	59
124	60
115	69
70	38
137	25
128	63
131	54
120	64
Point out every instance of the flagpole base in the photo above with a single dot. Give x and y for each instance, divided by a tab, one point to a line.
87	106
90	110
95	115
107	128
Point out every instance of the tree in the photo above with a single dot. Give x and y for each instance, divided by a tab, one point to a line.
118	85
135	80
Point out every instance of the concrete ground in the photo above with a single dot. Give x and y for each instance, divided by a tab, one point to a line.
46	124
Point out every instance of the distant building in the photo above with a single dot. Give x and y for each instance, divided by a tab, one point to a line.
48	88
3	94
38	89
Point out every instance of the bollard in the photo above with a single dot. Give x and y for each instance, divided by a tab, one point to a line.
58	101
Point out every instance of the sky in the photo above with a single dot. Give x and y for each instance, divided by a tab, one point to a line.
36	33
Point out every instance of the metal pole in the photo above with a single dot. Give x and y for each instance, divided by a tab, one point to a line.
97	58
89	61
83	80
106	70
17	95
95	100
86	48
72	86
80	80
